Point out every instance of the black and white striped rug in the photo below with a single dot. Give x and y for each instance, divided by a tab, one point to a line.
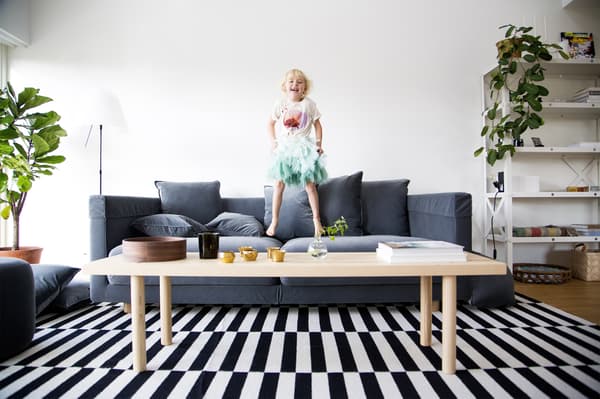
349	351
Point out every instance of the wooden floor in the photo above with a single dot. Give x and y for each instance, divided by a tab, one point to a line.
581	298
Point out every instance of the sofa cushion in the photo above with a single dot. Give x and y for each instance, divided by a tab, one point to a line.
340	196
168	224
49	281
295	216
384	207
200	201
236	224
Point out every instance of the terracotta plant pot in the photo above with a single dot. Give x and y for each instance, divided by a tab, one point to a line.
28	254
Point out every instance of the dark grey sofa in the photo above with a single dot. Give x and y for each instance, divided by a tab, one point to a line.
440	216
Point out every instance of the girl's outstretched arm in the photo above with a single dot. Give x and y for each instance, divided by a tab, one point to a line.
271	131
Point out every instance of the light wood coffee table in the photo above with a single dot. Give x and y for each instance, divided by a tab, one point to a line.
343	264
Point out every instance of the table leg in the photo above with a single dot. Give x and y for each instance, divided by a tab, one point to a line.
138	323
426	310
166	337
449	324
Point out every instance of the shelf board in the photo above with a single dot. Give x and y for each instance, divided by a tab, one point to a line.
549	194
548	240
571	108
559	150
558	66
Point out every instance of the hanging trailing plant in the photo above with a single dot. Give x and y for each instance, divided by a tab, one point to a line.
516	81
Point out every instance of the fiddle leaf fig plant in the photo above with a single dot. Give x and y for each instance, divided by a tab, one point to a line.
515	87
28	139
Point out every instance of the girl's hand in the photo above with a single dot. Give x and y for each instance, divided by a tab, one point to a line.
319	149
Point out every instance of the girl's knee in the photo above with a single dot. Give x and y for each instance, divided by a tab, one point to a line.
311	187
279	185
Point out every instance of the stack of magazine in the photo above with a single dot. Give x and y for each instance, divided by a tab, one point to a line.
587	95
420	252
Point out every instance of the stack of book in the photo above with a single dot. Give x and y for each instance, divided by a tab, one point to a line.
588	95
420	252
587	229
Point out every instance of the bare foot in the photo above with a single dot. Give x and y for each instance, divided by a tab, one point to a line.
272	227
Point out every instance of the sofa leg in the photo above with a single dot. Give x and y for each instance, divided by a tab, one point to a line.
127	307
435	306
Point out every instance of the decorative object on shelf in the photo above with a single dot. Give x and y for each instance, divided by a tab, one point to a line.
516	102
154	249
317	248
587	95
579	45
28	138
540	273
586	263
537	142
578	189
104	110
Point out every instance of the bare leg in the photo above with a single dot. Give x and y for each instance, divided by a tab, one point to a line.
276	206
313	200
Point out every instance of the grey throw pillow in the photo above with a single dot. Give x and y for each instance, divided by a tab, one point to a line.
384	207
236	224
167	224
200	201
295	216
49	281
340	196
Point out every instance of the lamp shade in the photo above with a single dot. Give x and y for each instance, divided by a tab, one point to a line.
104	108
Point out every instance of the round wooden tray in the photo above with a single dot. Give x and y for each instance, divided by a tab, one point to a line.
154	249
540	273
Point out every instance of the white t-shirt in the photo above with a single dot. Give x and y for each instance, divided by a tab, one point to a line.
295	118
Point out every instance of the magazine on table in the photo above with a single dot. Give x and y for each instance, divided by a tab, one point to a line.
420	251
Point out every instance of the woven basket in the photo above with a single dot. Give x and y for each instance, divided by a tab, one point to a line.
540	273
586	263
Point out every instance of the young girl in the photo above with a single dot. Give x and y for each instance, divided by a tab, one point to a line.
297	157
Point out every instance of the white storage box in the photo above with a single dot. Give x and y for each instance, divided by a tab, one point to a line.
526	184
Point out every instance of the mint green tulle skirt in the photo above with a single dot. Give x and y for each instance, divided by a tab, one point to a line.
296	162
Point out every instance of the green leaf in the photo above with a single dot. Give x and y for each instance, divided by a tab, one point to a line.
542	91
52	159
24	184
26	95
5	212
8	134
478	151
545	56
484	130
535	104
564	55
532	123
491	156
5	149
529	58
510	31
491	115
40	145
513	67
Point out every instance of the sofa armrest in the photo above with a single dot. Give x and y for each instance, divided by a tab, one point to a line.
441	216
111	217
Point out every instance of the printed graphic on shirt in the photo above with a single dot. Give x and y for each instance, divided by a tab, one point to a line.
294	118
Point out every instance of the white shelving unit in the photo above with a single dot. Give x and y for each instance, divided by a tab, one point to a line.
560	163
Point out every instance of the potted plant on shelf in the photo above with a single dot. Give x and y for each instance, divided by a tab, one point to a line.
515	90
27	140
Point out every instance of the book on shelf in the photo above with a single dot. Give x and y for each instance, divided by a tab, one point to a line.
579	45
587	95
587	229
426	251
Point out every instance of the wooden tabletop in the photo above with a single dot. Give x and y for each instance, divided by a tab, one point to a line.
296	264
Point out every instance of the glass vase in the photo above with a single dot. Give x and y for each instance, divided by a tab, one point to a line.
317	248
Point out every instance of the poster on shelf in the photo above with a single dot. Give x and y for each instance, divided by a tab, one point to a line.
579	45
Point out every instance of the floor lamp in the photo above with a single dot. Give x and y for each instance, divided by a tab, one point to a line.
105	111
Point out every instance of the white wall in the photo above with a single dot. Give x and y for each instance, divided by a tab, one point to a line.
398	84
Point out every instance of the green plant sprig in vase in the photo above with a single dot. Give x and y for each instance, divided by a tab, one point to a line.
520	54
339	226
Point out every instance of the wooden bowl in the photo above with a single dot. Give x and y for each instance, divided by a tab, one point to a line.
154	249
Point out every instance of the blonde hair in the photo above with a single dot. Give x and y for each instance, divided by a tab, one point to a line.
296	73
